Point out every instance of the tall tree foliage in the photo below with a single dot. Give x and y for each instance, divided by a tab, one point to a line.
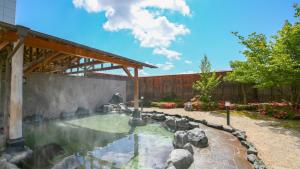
273	63
208	80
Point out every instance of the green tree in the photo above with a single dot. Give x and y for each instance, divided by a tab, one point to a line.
241	74
274	63
257	55
208	81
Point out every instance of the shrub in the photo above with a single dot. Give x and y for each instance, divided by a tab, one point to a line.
158	104
249	107
155	104
180	105
221	105
263	112
179	102
281	115
170	99
280	110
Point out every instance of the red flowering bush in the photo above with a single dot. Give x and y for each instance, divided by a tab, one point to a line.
167	105
279	110
263	112
281	115
232	106
221	105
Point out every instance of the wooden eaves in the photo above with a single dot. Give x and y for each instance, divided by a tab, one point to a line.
46	53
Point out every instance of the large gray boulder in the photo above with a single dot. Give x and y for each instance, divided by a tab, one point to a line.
182	124
67	115
70	162
188	106
158	117
82	112
124	108
43	156
180	159
189	147
21	156
193	124
258	164
170	122
180	139
197	137
6	165
17	157
241	135
116	99
252	158
107	108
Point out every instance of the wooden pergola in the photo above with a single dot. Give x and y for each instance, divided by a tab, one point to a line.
24	51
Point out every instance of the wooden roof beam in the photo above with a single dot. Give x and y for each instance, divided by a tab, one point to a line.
95	70
69	49
76	51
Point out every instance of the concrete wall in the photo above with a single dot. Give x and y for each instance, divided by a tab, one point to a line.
8	11
52	94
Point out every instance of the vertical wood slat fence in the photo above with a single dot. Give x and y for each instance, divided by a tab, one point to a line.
180	86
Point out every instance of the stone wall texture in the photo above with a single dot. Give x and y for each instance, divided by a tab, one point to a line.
50	95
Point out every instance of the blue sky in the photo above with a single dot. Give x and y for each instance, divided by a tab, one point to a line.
184	31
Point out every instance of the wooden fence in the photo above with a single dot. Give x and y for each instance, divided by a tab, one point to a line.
180	86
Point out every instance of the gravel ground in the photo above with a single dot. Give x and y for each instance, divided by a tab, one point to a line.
279	148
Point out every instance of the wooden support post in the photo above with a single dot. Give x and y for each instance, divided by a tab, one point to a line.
1	87
6	96
136	88
2	140
16	99
1	78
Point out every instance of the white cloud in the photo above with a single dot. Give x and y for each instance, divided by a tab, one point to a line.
188	62
166	66
149	27
143	73
170	54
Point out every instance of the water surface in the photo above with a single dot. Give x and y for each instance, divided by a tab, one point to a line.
100	141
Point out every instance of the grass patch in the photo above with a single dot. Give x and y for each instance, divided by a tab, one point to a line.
251	115
288	124
285	123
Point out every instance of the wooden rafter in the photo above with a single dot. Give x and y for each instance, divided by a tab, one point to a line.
127	72
85	64
64	64
41	61
95	70
3	45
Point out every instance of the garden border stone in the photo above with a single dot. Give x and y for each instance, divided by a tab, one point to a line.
252	153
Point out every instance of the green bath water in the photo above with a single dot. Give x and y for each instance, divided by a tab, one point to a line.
100	141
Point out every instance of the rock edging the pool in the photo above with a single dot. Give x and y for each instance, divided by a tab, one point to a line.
179	123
